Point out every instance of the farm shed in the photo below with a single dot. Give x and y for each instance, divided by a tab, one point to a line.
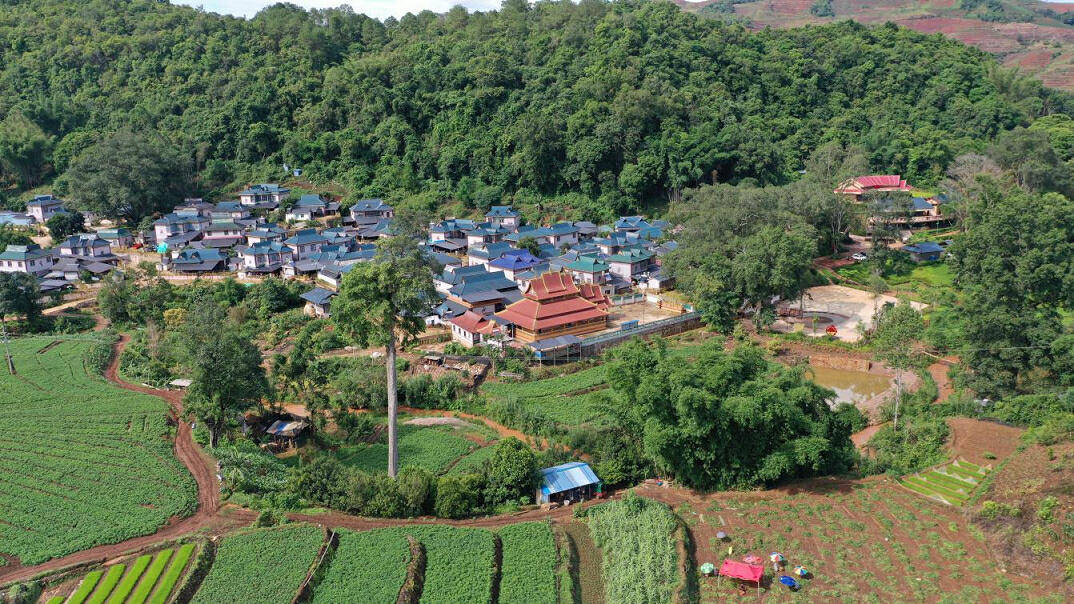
286	432
557	348
569	482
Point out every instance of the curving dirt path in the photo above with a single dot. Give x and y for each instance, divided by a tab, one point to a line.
499	428
201	467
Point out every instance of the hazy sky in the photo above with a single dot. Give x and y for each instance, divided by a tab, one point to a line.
374	8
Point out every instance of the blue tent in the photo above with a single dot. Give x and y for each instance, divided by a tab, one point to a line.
789	582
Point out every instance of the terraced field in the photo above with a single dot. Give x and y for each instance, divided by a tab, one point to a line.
82	463
952	484
141	581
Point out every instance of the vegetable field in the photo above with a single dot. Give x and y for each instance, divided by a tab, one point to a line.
431	447
367	567
264	566
528	569
140	581
82	463
951	484
458	564
637	540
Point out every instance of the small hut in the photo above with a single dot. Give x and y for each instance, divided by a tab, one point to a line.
567	483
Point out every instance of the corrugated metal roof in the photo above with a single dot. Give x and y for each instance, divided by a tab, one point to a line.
567	476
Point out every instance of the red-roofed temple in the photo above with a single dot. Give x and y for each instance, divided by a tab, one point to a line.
553	305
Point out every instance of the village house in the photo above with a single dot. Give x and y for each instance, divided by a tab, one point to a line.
514	262
263	257
454	275
485	292
195	205
195	261
487	252
484	233
554	305
118	237
370	211
471	328
504	217
223	233
229	210
89	246
305	243
178	229
29	258
43	207
267	196
568	483
263	233
557	235
451	228
629	262
589	269
16	219
311	206
926	251
318	302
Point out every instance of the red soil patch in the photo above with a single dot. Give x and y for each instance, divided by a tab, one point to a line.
972	438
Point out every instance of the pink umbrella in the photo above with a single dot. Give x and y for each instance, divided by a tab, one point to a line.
751	559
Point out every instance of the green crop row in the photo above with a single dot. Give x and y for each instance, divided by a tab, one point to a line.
145	587
367	567
263	566
432	448
528	567
107	584
119	595
167	584
86	587
458	563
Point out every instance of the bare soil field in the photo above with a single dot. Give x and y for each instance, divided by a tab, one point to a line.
862	541
977	440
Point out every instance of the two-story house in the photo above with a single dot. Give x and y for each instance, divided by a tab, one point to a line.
305	242
311	206
88	246
370	211
43	207
178	229
263	257
503	217
223	233
629	262
230	210
264	196
29	258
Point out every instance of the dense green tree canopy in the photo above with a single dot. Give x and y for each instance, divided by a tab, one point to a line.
728	419
621	103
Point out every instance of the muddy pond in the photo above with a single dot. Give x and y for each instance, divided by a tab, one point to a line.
850	386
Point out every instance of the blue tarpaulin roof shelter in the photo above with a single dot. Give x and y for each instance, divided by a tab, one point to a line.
565	477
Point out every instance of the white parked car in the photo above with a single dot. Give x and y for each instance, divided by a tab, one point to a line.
859	257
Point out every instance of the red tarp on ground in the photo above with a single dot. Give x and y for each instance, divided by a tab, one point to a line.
741	570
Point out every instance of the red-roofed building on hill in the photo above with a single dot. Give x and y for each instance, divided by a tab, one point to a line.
553	305
856	187
470	329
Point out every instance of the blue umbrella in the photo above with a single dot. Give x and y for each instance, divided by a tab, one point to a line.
788	581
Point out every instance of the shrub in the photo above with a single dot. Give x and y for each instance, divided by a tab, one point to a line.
457	496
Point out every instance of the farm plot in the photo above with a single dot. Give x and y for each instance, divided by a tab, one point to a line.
458	563
862	541
263	566
637	540
368	567
82	463
434	448
133	582
951	484
528	567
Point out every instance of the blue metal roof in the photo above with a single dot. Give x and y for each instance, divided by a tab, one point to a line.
925	247
567	476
